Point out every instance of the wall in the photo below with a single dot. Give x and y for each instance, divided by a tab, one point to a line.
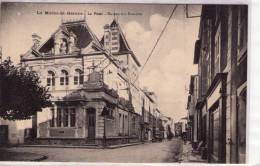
46	131
16	130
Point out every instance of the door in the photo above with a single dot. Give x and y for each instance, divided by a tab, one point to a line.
3	135
215	135
91	122
149	135
242	128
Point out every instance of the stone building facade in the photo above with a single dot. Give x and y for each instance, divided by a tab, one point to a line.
94	87
221	56
192	112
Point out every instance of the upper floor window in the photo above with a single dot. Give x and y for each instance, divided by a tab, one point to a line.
208	72
78	77
217	14
217	49
64	79
242	29
51	78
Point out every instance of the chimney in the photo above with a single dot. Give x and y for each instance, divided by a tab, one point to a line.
107	37
36	40
111	37
114	37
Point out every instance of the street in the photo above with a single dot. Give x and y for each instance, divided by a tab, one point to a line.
166	151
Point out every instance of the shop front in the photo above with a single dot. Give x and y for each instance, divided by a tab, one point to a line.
216	102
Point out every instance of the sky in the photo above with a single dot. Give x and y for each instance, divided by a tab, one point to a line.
168	71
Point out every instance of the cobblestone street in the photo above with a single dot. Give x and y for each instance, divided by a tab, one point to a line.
167	151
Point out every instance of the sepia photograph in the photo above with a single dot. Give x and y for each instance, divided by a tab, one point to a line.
123	83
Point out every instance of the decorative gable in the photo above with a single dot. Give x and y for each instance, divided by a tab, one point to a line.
70	38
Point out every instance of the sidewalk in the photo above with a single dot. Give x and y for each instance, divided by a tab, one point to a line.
189	157
9	155
94	146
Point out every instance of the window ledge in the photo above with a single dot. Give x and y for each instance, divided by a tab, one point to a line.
63	128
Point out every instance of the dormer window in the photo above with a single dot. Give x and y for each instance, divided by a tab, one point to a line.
64	79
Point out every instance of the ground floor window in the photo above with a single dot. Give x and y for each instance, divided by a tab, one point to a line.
133	125
52	117
120	124
72	117
59	116
66	117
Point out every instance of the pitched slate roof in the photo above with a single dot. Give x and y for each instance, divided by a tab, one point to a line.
82	31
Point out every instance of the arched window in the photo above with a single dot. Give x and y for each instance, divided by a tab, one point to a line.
78	77
51	78
64	79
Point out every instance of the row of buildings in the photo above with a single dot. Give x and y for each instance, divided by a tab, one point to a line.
218	93
95	89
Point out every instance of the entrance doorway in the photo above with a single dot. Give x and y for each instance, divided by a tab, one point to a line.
91	123
215	134
3	135
242	127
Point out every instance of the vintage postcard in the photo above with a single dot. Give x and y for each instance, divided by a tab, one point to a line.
123	83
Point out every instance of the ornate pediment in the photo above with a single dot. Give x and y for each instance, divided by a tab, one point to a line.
69	39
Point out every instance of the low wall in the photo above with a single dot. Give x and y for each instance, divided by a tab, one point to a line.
60	141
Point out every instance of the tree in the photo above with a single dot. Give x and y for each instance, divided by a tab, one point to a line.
21	94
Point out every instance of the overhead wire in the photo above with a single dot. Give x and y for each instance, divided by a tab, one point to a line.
157	41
